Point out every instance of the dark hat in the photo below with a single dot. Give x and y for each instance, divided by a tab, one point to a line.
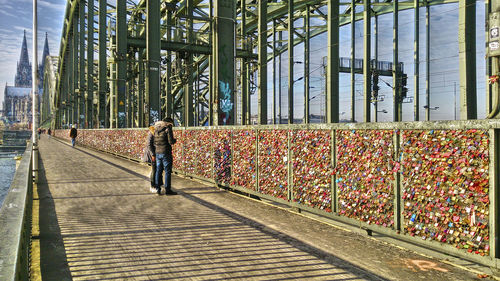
169	120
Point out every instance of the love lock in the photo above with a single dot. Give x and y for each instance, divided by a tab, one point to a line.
493	79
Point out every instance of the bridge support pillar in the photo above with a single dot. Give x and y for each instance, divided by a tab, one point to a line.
467	58
332	86
153	112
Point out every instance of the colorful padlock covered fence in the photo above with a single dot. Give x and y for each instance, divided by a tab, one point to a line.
430	186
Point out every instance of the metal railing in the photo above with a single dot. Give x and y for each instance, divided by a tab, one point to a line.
15	223
430	183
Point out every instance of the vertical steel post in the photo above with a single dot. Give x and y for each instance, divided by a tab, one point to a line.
188	88
170	98
375	92
274	72
82	93
121	65
262	30
290	61
102	72
307	49
416	60
89	114
427	61
34	107
140	87
367	73
396	95
153	110
245	115
75	91
467	58
280	38
224	51
353	59
332	79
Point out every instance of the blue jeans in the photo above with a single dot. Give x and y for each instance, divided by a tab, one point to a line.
72	141
163	162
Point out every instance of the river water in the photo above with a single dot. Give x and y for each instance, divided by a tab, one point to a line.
7	171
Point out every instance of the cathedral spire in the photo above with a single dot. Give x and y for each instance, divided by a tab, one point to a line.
23	75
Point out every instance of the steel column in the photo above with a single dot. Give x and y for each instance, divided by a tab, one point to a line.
290	60
367	59
188	88
121	62
427	61
332	95
416	60
274	72
353	59
262	66
467	58
103	84
89	113
224	55
153	111
75	104
169	102
396	95
307	49
245	114
82	93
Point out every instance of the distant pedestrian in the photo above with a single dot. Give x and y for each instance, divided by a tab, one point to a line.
72	134
163	141
49	132
149	157
39	131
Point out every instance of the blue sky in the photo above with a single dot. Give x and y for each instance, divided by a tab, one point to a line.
16	16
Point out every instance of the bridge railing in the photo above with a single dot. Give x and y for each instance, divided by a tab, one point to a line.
431	183
15	223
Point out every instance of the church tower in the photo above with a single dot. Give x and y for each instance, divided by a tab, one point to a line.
41	67
23	75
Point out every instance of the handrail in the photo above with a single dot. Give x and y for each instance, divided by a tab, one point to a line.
15	223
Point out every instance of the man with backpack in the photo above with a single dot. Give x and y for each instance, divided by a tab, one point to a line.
163	141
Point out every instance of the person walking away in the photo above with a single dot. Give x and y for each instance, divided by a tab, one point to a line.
149	157
49	132
163	141
72	134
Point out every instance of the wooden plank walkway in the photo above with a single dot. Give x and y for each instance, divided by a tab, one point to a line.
98	221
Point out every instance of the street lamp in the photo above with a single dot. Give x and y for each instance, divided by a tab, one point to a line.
431	108
383	111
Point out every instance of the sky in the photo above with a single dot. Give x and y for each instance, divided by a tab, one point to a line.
17	16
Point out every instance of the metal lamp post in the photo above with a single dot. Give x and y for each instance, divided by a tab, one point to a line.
34	107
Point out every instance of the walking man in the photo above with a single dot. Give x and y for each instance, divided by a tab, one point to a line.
72	134
163	141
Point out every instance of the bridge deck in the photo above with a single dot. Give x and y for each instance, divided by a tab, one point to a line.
98	221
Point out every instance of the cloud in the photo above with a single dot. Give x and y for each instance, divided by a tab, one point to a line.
54	6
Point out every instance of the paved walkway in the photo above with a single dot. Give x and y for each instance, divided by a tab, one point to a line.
98	221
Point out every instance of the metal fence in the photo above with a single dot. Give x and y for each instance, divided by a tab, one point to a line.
431	183
15	223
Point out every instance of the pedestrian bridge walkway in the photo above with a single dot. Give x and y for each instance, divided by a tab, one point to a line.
98	221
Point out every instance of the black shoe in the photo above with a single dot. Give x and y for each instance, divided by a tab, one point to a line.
158	191
170	192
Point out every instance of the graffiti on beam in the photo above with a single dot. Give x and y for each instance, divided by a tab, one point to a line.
226	105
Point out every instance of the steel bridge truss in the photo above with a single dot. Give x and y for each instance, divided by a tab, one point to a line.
200	61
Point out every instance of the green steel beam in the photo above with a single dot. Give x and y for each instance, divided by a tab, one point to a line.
274	54
189	103
416	60
332	94
467	58
290	60
121	63
90	64
75	91
169	102
82	102
427	61
262	65
245	114
353	58
224	55
397	105
153	112
102	68
307	49
367	73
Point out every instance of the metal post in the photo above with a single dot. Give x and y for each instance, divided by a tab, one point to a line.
427	61
243	75
353	59
170	98
416	60
375	92
121	65
367	59
224	51
395	65
75	99
103	84
332	79
153	110
307	49
275	53
290	61
280	38
262	29
467	58
140	87
34	100
188	88
90	64
82	101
